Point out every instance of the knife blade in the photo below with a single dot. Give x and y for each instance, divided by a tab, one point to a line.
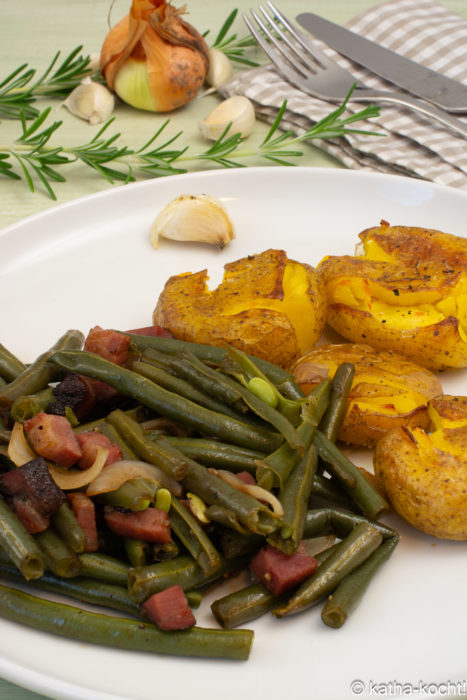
413	77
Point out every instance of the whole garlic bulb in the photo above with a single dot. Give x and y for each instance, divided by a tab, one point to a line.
237	111
197	218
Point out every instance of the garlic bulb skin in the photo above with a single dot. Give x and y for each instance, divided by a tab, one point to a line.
237	111
196	218
90	101
220	68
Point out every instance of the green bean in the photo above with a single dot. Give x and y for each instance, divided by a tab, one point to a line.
25	407
327	489
340	522
104	568
181	387
371	503
245	605
130	495
84	626
252	601
3	382
114	436
40	372
215	492
137	551
335	461
348	555
341	385
213	453
143	581
158	452
274	469
19	545
194	538
10	366
294	497
59	558
167	403
86	590
161	551
343	601
234	544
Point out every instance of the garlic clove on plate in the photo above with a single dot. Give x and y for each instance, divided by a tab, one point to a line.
90	101
197	218
237	111
220	68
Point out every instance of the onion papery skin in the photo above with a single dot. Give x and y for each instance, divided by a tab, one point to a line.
154	60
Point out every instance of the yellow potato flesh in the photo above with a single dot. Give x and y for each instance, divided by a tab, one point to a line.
296	304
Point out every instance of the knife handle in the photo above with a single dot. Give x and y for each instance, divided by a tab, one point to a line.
428	110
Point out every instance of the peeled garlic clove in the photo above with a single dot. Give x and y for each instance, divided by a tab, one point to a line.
220	68
197	218
237	111
90	101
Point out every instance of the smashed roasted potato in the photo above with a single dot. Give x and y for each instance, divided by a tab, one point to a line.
406	292
267	305
387	391
424	474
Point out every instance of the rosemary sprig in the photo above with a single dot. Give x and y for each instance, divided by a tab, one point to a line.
20	89
39	160
232	46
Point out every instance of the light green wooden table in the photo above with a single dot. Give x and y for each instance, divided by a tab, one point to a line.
31	32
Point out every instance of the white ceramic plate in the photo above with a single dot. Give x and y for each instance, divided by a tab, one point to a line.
90	262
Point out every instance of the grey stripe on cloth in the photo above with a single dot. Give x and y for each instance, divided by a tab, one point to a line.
406	142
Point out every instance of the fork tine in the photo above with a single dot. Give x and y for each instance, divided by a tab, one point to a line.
305	61
310	48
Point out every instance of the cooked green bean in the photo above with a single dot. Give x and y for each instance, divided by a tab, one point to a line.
133	495
104	567
341	384
347	556
40	372
294	497
10	366
194	538
84	626
327	489
335	461
137	551
143	581
274	469
59	557
363	494
350	591
180	386
167	403
340	522
213	453
19	545
25	407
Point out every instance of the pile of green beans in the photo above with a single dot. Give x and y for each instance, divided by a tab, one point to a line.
230	412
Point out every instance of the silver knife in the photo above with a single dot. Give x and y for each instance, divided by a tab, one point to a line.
413	77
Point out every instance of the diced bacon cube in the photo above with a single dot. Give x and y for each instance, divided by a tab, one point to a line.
90	441
149	525
246	477
110	345
279	571
85	513
52	437
169	609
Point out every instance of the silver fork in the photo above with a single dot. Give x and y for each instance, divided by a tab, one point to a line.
302	63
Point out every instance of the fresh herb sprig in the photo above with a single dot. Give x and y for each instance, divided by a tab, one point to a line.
232	46
20	89
38	160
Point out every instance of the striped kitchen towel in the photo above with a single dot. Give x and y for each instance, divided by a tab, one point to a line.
413	145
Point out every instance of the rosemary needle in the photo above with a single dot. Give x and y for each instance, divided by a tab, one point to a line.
37	160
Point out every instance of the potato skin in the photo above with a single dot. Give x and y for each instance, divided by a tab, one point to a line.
415	271
382	381
425	475
267	305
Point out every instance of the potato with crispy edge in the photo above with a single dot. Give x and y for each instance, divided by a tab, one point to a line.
424	474
267	305
387	391
406	292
